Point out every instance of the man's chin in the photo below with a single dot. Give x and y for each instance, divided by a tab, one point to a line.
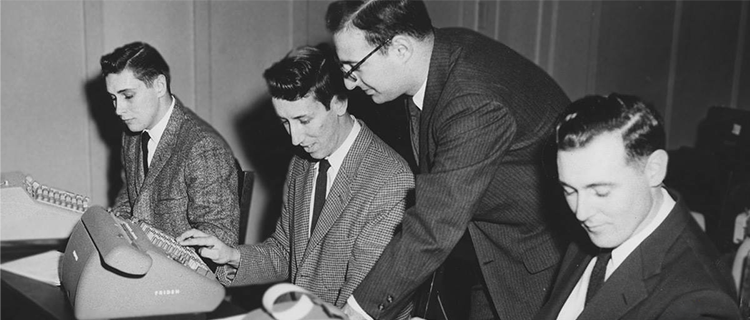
135	129
379	99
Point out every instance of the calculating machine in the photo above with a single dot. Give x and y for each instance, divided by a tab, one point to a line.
116	268
33	211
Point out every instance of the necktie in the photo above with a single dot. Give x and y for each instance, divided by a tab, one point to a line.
597	275
320	191
414	114
144	151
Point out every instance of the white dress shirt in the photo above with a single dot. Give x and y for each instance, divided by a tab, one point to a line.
157	131
335	160
577	298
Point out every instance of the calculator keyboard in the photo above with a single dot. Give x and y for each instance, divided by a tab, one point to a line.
184	255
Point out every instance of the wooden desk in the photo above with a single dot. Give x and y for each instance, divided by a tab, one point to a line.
24	298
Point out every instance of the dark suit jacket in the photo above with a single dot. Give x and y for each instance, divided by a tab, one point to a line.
672	274
486	114
191	183
365	204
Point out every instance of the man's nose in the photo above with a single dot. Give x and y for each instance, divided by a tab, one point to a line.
119	108
582	209
296	135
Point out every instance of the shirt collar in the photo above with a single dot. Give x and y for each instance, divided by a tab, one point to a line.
157	131
620	253
418	97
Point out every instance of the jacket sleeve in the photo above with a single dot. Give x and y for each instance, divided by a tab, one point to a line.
267	261
704	304
383	216
212	185
122	207
472	134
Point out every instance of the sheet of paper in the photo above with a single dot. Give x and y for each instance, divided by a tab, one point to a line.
237	317
41	267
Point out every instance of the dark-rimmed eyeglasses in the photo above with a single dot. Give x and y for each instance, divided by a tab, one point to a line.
349	74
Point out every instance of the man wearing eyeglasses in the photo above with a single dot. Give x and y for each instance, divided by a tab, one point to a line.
480	114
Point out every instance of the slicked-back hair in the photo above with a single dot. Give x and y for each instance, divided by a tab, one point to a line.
381	20
140	58
304	71
639	124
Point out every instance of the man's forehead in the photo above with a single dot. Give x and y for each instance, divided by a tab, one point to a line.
295	109
124	78
350	43
597	161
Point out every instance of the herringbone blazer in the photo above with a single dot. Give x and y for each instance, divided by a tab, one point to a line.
363	208
674	274
191	182
487	112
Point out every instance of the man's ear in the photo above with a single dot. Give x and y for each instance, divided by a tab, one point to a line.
339	105
160	84
403	47
656	167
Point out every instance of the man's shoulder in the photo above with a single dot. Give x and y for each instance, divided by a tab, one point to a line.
693	256
379	152
193	129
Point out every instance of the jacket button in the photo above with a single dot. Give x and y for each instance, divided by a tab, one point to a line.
390	299
381	307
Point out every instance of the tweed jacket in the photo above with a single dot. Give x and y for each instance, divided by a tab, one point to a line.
486	114
192	181
673	274
363	207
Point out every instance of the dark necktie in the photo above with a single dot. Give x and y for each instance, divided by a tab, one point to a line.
320	191
144	150
597	275
414	114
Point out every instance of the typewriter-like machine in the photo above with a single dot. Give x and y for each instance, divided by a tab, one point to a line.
112	267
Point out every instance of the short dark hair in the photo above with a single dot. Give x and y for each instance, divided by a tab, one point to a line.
142	59
381	20
640	124
304	71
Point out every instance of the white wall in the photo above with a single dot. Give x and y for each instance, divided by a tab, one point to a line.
55	124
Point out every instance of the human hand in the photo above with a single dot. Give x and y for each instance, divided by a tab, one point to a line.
210	247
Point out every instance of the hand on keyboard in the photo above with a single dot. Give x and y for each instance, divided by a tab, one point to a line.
210	247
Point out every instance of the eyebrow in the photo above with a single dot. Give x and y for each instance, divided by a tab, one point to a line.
126	89
589	186
294	118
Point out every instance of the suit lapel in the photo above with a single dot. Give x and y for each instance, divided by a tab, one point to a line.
167	143
301	213
571	271
133	175
629	284
441	65
341	189
624	289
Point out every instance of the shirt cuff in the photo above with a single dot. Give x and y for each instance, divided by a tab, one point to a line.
354	305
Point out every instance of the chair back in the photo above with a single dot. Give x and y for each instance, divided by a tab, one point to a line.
245	193
741	275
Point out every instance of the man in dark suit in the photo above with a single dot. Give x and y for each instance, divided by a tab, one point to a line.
331	231
649	259
179	172
482	115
